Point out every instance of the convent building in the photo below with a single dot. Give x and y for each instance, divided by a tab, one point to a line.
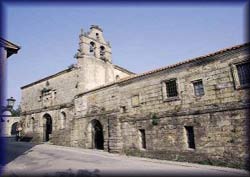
195	110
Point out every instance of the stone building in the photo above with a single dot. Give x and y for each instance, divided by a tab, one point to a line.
195	110
9	124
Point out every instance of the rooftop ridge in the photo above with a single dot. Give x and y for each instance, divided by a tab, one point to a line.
167	67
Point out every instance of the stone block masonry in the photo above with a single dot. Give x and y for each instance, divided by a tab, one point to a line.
194	111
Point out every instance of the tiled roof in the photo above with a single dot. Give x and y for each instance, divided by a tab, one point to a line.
190	60
169	66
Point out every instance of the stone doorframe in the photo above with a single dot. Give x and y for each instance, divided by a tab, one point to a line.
47	127
95	134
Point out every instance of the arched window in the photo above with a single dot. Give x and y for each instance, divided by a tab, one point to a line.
14	128
92	48
27	122
97	36
63	120
117	77
102	51
32	124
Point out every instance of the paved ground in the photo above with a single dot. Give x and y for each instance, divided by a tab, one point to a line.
48	160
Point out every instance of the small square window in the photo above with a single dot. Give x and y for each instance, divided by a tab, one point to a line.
170	90
123	109
244	73
198	88
171	87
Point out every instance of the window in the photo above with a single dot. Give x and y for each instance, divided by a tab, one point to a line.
142	138
198	88
92	48
123	109
190	136
244	73
97	35
117	77
135	100
102	51
32	124
63	120
27	123
171	88
241	73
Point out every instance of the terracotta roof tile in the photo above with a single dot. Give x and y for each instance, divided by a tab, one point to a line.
188	61
167	67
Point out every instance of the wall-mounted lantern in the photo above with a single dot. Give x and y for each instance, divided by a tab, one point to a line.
10	103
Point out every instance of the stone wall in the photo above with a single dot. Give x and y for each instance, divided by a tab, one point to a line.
103	106
218	117
9	125
119	73
132	108
34	124
61	89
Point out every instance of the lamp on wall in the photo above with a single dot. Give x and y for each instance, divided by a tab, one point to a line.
10	103
6	110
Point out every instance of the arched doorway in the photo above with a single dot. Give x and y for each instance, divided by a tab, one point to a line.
47	127
97	134
14	128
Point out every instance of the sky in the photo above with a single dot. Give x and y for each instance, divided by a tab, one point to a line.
142	37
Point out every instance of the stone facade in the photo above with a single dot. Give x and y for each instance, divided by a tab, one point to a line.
9	124
195	111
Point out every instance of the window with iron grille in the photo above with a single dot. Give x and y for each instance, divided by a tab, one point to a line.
244	73
198	88
171	87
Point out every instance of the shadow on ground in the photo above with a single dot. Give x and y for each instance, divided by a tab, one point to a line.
14	149
87	173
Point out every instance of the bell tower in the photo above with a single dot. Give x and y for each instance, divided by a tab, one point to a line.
94	59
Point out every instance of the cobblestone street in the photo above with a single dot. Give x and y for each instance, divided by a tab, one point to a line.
46	159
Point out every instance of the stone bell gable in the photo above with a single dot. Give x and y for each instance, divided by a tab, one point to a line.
195	110
93	68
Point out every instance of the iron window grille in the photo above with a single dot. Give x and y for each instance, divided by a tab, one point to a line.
244	73
171	87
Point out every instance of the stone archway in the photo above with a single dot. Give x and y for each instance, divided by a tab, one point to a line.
97	134
47	127
13	130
